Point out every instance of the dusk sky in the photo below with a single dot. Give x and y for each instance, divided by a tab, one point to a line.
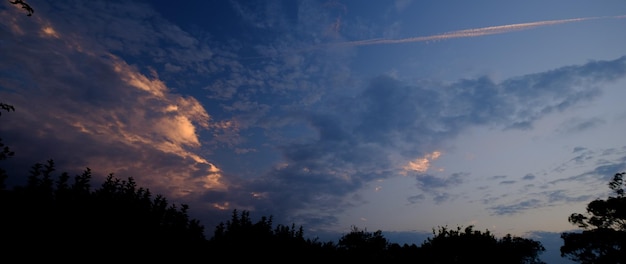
398	116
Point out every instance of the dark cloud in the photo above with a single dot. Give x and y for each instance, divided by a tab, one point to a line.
507	182
429	182
539	200
602	172
416	198
575	125
600	175
563	196
578	149
265	15
583	155
443	197
528	177
556	90
511	209
610	158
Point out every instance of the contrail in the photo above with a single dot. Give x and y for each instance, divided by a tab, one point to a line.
468	33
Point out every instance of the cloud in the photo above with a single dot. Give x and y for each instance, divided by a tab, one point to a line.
577	124
87	107
430	182
401	5
605	163
421	165
562	196
540	200
416	198
393	122
577	149
511	209
262	15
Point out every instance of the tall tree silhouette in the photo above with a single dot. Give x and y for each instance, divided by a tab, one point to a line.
603	239
5	151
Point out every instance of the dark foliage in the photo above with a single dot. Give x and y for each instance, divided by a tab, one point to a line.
24	5
603	239
56	218
262	241
6	107
472	246
5	151
363	245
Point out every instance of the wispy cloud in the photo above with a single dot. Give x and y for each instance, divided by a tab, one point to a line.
514	208
542	199
578	124
594	180
422	164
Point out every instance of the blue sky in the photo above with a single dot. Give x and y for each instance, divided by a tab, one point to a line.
398	116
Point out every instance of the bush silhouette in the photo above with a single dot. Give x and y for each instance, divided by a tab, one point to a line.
473	246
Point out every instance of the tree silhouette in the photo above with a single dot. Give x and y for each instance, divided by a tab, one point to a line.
117	220
262	241
5	151
24	6
6	107
359	244
603	239
472	246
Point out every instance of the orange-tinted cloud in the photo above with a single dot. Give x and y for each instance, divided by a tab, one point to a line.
421	164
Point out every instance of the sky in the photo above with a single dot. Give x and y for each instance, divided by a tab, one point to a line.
398	116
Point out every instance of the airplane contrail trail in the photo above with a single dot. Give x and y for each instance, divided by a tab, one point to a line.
468	33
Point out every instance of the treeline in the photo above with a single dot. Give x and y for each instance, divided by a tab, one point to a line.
446	246
63	218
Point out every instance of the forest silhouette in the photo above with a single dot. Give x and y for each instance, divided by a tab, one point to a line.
54	216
